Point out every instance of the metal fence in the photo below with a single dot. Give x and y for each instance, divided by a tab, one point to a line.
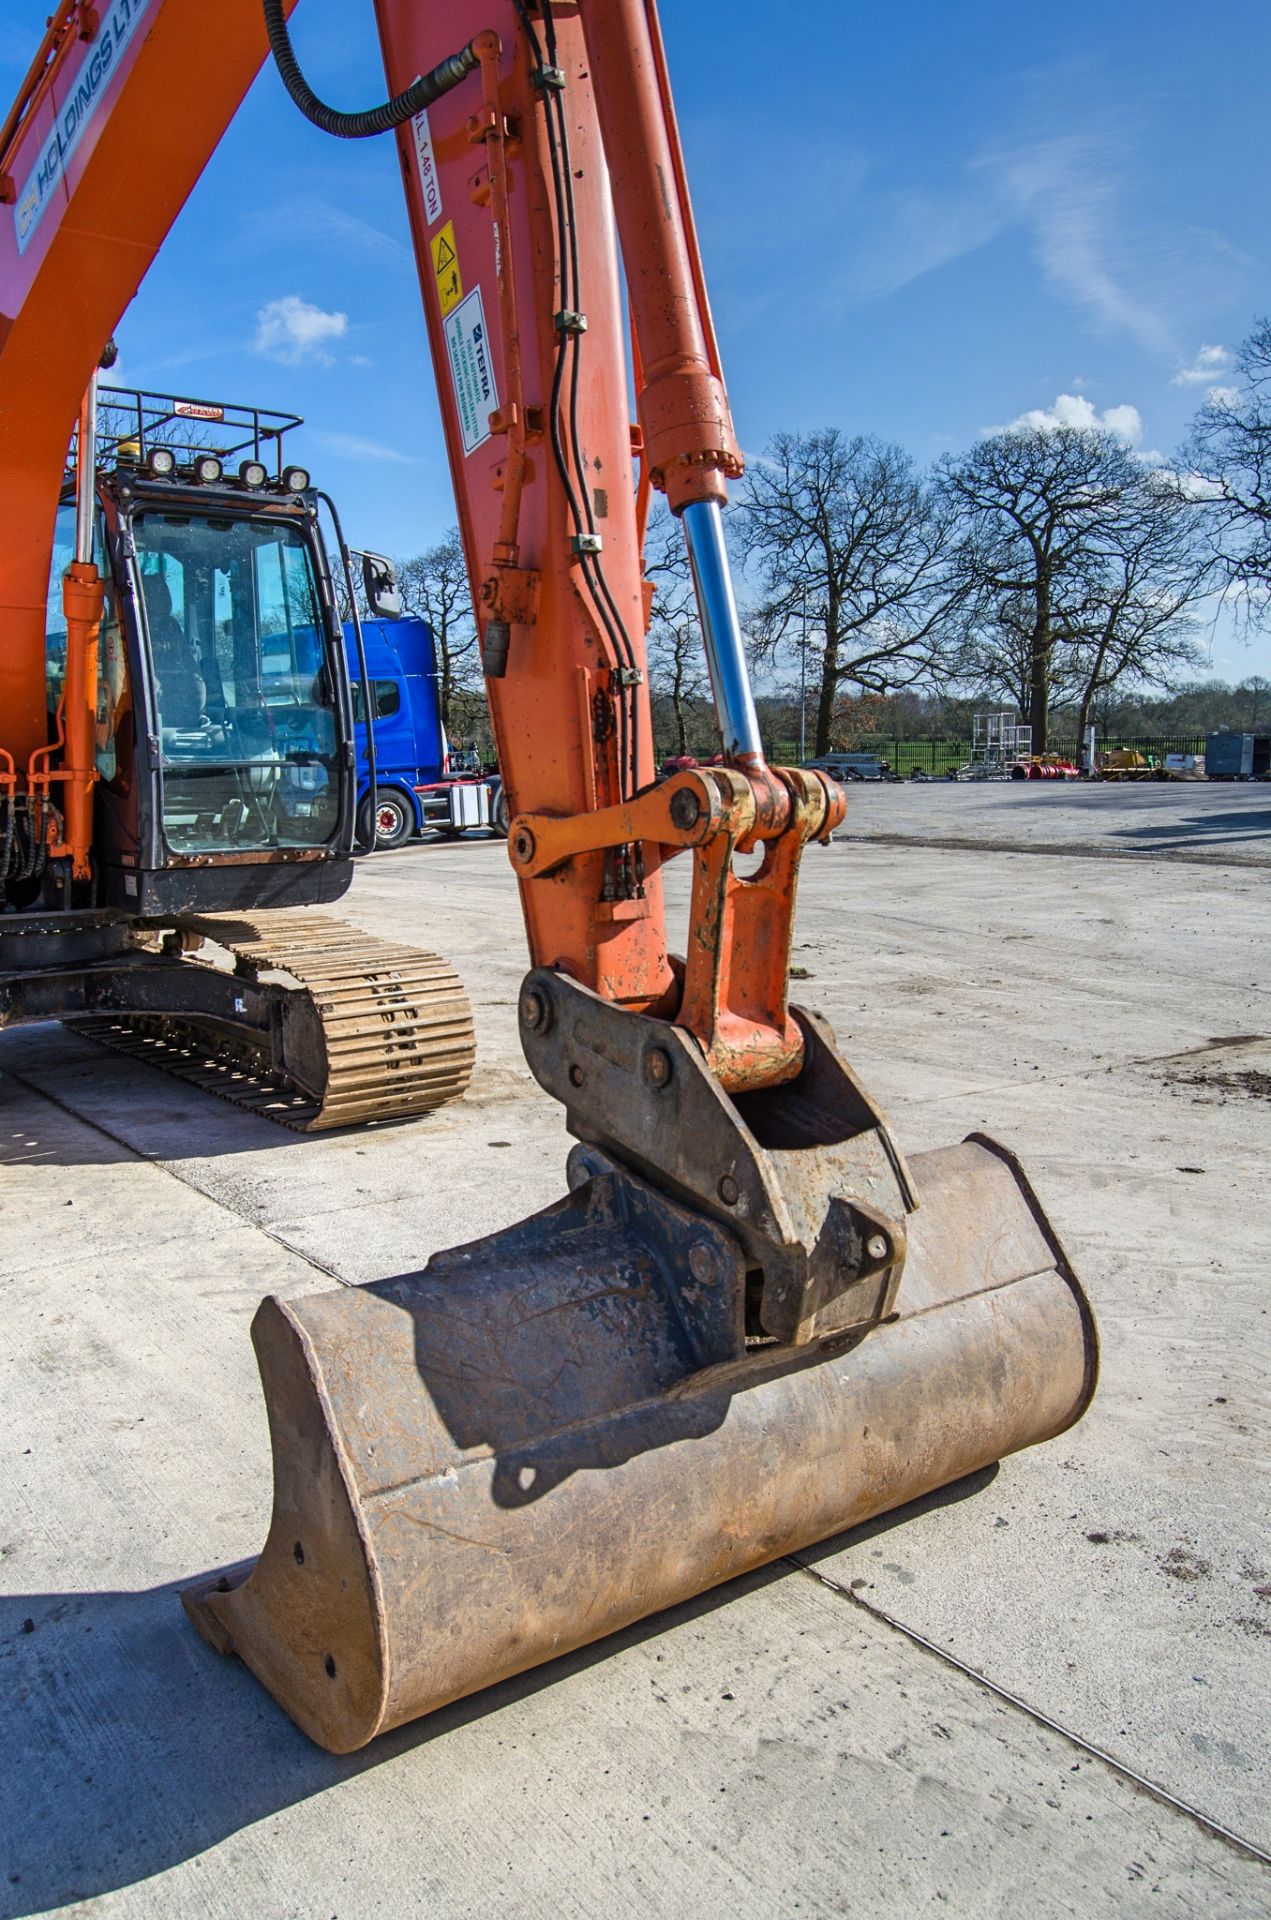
937	757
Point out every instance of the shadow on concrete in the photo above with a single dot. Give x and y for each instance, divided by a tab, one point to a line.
1235	827
111	1110
130	1747
91	1107
435	841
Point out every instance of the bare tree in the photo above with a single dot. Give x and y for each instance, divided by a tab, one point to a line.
1253	692
1149	568
1001	640
677	658
1033	504
848	531
435	588
1226	464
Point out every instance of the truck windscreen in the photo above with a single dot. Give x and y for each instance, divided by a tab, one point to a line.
243	684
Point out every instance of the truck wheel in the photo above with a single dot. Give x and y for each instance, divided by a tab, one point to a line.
500	818
394	822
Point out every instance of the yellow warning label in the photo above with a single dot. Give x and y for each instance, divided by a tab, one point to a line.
445	264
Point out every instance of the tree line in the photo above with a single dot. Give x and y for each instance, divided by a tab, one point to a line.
915	716
1047	567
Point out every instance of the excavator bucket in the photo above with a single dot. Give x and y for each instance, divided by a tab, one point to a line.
564	1427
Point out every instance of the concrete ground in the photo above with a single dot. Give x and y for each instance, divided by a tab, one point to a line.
952	1708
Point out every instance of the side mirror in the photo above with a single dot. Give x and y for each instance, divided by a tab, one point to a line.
383	595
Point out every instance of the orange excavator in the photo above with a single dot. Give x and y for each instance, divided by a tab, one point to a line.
750	1322
177	767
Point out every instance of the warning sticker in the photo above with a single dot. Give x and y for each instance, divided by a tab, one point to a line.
427	164
445	264
471	370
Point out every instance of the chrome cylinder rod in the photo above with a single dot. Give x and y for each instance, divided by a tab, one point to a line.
721	631
85	474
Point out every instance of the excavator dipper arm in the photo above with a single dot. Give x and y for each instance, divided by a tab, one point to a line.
749	1324
741	1331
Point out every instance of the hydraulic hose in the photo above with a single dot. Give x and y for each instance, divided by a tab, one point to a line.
358	126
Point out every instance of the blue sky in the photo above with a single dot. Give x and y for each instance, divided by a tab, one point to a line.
919	221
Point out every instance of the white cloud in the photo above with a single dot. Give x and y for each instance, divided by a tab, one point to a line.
918	233
1066	189
1065	192
1194	486
292	331
1223	396
1209	363
1125	421
1074	410
324	226
1071	184
353	447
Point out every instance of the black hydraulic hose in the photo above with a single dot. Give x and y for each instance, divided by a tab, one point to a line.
359	126
8	816
617	629
567	351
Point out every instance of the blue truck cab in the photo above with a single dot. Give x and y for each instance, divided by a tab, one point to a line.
416	786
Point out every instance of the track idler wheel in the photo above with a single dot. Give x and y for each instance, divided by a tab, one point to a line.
560	1429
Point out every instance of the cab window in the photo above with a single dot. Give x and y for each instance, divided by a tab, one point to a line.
244	689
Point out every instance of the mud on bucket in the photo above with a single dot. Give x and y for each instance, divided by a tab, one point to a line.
560	1429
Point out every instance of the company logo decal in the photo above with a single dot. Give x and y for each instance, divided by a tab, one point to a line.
74	114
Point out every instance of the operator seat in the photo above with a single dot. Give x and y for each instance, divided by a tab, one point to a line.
180	685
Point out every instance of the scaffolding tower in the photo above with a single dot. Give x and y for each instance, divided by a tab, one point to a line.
998	742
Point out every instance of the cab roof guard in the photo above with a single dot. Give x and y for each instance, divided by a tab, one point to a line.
137	420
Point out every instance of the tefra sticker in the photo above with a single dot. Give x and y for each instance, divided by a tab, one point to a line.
471	370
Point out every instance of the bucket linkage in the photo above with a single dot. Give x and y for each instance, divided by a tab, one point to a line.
748	1326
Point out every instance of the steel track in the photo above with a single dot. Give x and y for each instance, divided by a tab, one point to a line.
395	1025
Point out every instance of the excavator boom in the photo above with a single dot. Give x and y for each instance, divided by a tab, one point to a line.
749	1323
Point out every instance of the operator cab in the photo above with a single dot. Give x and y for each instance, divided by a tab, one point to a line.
244	695
224	723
